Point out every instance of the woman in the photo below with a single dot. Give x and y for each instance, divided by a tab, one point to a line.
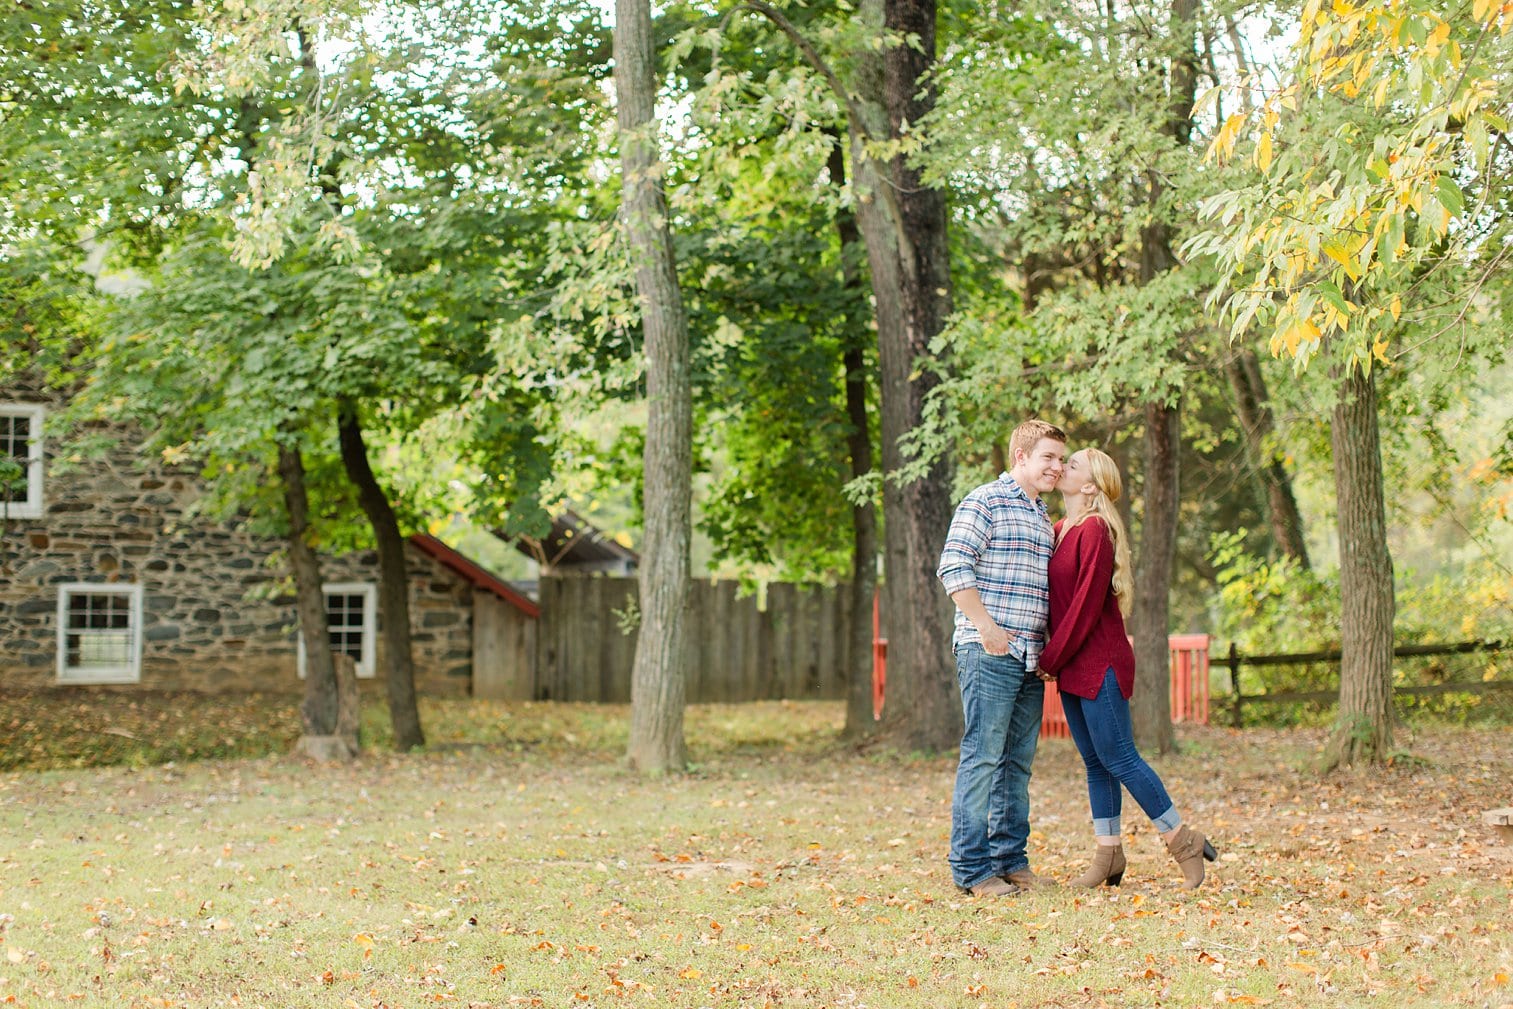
1090	657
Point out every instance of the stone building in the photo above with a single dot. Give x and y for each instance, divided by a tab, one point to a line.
108	575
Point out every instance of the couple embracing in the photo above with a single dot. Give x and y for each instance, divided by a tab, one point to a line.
1036	603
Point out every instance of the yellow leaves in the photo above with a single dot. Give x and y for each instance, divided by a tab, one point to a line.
1484	11
1396	307
364	942
1298	336
1341	253
1379	351
1223	147
1437	38
1263	152
690	973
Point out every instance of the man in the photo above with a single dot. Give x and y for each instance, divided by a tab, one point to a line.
994	567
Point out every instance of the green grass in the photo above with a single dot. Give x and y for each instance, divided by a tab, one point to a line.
517	863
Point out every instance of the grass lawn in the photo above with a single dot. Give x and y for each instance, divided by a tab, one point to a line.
516	863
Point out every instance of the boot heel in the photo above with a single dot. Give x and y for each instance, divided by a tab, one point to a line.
1208	851
1115	878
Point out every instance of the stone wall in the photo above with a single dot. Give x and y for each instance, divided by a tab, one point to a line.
213	617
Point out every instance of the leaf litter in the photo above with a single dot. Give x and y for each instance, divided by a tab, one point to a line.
489	876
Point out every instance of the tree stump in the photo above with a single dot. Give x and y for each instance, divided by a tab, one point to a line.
1502	821
343	744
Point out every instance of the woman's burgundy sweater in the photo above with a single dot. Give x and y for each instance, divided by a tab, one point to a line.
1086	629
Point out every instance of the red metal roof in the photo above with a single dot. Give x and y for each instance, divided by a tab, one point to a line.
476	575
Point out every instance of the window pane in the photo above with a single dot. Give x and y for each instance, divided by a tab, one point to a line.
92	649
344	621
98	631
15	433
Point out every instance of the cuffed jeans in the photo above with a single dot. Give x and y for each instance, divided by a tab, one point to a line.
990	808
1103	734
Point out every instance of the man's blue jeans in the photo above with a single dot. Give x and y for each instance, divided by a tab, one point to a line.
990	809
1104	736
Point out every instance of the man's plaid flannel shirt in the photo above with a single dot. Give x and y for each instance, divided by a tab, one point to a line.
1000	543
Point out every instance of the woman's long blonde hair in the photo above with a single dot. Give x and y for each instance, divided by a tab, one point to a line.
1104	475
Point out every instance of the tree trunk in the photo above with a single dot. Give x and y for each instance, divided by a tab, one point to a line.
1150	620
1265	460
904	226
1150	708
393	583
1363	733
858	670
657	675
319	709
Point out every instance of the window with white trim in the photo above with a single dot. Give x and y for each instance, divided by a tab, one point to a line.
351	625
99	633
21	446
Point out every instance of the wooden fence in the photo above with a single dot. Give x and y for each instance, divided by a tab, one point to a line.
793	648
1445	684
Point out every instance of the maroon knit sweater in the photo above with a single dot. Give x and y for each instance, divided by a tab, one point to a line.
1086	629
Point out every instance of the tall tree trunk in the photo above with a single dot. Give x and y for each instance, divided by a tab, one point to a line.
1363	733
393	583
904	226
1150	708
858	671
317	712
1150	711
657	675
1254	412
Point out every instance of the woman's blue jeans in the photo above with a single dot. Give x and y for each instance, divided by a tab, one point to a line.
990	808
1103	734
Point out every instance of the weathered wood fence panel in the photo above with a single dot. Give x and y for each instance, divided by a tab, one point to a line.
504	650
793	648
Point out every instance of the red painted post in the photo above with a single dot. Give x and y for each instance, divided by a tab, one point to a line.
1189	677
1189	686
1053	716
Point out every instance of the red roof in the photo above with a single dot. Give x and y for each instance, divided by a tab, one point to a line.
473	573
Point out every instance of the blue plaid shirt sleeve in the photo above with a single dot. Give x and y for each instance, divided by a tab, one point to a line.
971	527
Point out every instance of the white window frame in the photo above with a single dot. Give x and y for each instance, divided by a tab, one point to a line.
131	672
367	666
31	508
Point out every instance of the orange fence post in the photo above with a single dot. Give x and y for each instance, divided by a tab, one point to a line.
1189	676
1053	716
1189	686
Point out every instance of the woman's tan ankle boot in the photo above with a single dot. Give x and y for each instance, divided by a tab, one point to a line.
1107	867
1190	849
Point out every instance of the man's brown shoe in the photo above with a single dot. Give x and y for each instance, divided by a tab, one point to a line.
993	886
1024	879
